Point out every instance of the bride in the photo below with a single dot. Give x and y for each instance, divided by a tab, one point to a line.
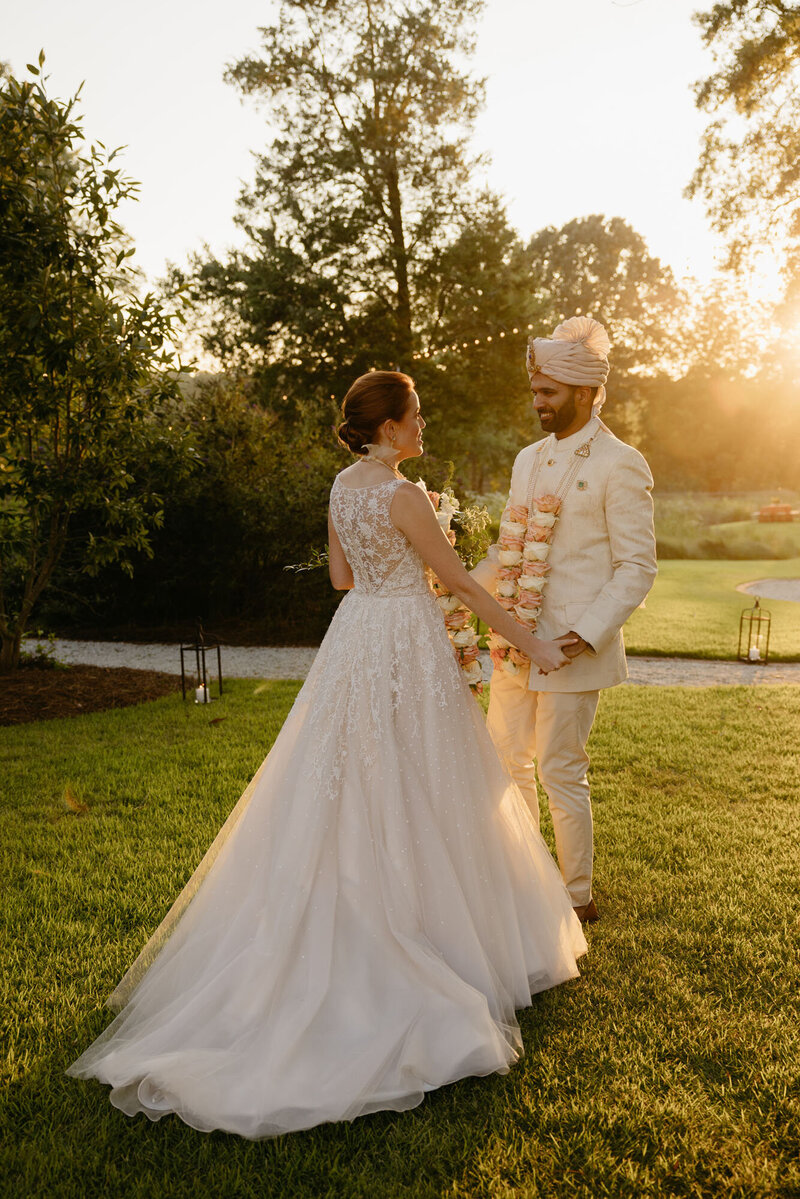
379	901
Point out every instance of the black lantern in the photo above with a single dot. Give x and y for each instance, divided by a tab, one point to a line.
199	647
754	635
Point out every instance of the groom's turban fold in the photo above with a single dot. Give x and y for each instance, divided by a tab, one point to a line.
576	354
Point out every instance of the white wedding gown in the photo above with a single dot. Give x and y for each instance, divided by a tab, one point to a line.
375	908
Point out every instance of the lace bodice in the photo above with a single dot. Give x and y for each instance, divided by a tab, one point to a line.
383	561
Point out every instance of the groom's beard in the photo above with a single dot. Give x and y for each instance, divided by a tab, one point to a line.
553	421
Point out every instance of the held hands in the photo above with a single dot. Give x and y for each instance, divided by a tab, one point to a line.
578	644
550	655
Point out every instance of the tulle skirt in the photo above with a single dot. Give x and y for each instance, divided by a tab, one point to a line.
368	919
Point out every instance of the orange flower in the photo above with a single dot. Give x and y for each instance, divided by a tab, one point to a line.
547	503
538	533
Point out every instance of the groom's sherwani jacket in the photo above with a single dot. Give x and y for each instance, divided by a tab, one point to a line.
603	556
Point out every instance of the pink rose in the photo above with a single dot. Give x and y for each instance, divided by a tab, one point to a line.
538	533
528	612
506	602
433	496
517	513
470	653
537	569
509	574
547	503
457	619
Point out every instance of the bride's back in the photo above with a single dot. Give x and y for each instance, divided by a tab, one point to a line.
383	561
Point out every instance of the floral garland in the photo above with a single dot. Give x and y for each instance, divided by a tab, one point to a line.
457	617
523	550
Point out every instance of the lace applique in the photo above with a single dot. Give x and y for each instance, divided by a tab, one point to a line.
382	560
376	650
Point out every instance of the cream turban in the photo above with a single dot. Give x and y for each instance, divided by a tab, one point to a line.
576	354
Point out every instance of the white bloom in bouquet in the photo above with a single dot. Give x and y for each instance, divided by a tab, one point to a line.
509	557
510	667
473	672
422	485
545	520
449	504
536	551
532	584
465	637
507	587
444	519
514	528
448	603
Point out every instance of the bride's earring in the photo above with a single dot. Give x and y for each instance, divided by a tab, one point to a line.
393	440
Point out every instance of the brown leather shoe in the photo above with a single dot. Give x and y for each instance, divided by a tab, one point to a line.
588	913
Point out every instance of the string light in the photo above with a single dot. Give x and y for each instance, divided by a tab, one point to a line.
455	346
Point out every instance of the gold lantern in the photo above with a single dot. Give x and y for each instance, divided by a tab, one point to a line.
754	635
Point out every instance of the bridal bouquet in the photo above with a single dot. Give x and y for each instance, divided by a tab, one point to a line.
523	550
457	618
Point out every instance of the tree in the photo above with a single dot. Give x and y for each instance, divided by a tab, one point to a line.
601	267
730	420
84	361
368	244
368	171
750	161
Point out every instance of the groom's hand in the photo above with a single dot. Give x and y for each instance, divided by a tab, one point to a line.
573	651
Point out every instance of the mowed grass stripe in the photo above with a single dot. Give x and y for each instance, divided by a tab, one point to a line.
669	1068
694	608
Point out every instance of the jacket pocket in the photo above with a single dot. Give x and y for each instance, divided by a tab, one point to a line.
573	612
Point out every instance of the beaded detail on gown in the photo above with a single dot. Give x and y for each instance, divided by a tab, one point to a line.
375	908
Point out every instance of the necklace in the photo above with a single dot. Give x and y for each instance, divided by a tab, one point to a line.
573	466
381	455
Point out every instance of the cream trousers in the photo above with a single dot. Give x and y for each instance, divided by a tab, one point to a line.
551	727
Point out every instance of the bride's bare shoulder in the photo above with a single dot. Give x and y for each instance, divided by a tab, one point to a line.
411	501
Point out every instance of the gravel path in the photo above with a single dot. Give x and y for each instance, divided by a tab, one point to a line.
262	662
779	589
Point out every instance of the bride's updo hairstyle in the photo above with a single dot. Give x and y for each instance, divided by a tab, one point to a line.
373	399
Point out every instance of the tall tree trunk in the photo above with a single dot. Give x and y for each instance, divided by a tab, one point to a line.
400	255
10	651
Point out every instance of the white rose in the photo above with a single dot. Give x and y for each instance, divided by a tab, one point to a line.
443	518
545	520
448	603
509	557
513	527
536	551
510	667
498	642
473	672
507	588
528	615
465	637
530	583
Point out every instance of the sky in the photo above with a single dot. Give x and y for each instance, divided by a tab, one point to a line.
589	109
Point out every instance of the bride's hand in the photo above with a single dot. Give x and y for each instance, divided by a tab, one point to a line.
549	655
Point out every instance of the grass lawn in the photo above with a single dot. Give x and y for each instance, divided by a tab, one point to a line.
669	1068
694	608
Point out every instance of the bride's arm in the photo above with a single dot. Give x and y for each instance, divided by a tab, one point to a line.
338	566
412	513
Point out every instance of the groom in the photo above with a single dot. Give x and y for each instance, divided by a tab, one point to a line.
602	564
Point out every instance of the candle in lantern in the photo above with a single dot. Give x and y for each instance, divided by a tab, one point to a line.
200	696
754	653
